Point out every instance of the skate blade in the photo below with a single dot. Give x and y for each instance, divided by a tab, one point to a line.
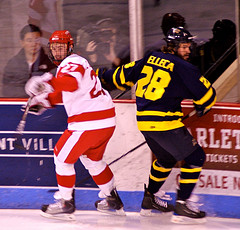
151	212
187	220
119	212
62	216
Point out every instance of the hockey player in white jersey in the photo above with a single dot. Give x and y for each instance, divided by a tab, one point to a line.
91	123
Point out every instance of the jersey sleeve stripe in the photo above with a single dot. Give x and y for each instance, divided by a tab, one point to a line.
115	80
119	79
205	98
210	106
123	79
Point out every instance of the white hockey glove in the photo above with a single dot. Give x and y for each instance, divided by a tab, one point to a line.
38	84
39	104
35	110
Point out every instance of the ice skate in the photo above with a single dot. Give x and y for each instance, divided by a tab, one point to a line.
154	205
61	210
185	212
111	204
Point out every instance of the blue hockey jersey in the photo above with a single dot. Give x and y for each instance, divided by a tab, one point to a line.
163	81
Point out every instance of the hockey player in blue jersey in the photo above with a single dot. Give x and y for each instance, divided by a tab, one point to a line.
163	80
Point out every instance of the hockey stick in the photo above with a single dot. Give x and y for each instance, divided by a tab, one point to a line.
112	162
132	150
189	115
21	126
120	94
125	154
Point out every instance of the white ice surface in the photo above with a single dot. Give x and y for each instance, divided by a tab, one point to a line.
21	219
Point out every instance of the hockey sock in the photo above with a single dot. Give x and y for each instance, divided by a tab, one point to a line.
188	179
66	185
157	177
66	181
104	177
190	173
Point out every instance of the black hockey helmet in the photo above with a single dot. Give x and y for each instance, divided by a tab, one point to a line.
171	20
178	35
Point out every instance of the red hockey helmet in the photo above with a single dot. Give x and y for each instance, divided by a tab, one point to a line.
62	37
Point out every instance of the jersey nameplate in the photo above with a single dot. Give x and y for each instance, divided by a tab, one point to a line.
164	63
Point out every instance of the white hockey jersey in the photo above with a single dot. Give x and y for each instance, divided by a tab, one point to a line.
87	104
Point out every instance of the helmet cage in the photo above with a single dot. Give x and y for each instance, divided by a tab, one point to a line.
62	37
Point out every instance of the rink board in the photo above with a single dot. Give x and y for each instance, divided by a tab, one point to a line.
33	198
28	177
33	166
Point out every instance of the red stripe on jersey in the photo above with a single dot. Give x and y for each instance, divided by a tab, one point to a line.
55	97
62	141
104	177
91	143
90	116
66	181
64	82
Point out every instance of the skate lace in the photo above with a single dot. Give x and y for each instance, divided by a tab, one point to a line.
193	205
160	202
162	195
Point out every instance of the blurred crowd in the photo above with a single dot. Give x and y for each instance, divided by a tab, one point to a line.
98	43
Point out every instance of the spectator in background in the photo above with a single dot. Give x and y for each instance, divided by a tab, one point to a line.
30	61
219	52
100	47
98	43
44	14
169	20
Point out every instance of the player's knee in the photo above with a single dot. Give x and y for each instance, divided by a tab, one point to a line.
94	167
196	158
167	163
63	168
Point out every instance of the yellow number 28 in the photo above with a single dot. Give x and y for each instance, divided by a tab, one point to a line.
153	85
